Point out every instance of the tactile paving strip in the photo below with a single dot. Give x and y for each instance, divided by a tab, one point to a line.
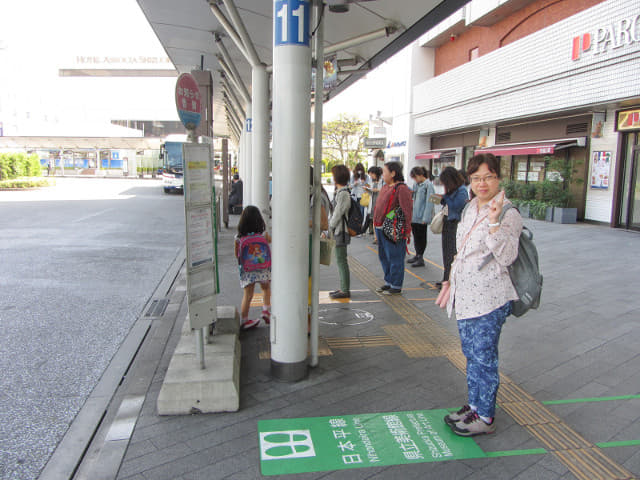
359	342
423	337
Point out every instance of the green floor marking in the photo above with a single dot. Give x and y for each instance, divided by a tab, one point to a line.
586	400
620	443
515	453
340	442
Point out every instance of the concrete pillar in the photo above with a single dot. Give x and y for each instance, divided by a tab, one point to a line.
247	176
290	203
260	138
225	182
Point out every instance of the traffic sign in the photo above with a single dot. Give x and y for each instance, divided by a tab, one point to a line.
188	101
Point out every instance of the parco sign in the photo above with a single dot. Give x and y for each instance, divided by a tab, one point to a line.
615	35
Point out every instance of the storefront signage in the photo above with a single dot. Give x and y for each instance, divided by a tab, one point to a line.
600	168
397	144
356	441
614	35
628	121
139	60
375	142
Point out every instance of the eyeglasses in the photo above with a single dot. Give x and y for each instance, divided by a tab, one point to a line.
485	179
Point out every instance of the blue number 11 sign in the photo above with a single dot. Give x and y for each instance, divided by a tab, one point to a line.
291	22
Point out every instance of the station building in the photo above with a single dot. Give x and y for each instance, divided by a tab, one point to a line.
530	81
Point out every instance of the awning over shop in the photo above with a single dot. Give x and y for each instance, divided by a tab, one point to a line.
541	148
431	154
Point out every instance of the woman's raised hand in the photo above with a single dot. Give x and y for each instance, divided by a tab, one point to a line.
495	207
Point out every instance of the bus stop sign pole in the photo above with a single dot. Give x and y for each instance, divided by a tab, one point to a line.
198	202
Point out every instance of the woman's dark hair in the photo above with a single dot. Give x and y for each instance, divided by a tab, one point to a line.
358	172
377	171
493	164
415	171
340	174
397	168
451	179
251	221
464	176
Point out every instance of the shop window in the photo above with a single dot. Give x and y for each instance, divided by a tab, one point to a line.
439	164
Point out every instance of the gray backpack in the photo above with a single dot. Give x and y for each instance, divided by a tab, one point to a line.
524	272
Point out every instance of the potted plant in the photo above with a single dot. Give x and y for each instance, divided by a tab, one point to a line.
561	173
541	210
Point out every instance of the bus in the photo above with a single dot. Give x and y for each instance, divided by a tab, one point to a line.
172	163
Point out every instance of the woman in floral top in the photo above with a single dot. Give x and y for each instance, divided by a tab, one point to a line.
482	297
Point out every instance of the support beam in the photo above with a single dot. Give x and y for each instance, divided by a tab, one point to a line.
251	54
366	37
232	72
317	178
235	101
228	28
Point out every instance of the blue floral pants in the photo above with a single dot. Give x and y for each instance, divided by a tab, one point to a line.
479	337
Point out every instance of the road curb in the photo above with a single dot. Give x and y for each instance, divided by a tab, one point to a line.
70	452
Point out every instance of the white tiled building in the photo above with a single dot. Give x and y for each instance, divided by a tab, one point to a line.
530	80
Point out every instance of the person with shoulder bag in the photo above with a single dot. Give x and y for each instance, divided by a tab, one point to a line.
422	213
454	199
338	228
394	209
481	291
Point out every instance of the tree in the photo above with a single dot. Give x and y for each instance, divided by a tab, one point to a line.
343	140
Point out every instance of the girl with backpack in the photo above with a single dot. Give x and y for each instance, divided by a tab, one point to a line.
254	264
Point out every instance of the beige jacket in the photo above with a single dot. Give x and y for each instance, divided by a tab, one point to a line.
477	292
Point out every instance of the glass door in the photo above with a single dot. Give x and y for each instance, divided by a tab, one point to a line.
630	201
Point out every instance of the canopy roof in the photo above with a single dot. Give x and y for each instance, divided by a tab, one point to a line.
186	30
80	143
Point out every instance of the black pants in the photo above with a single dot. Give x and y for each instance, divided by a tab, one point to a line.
368	224
419	238
449	229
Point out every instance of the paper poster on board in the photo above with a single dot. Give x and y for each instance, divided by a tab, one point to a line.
600	168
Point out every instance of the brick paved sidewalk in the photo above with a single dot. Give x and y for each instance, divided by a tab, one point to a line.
401	353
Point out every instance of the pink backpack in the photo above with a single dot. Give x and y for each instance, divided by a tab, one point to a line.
254	253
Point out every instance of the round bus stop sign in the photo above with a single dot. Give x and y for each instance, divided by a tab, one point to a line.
188	101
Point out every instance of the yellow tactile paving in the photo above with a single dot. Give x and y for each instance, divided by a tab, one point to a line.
423	337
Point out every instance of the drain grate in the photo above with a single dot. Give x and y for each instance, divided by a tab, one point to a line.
157	308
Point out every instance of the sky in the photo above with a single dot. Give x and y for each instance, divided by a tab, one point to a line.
38	37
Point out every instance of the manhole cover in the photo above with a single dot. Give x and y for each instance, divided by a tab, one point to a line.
344	316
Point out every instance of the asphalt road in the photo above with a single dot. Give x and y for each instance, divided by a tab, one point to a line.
78	263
